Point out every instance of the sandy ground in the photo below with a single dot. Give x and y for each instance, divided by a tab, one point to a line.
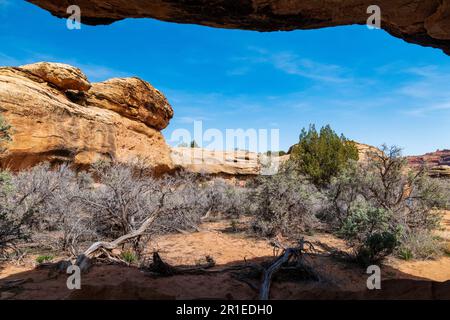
439	269
339	280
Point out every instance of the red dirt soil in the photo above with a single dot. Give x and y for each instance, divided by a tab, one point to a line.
400	279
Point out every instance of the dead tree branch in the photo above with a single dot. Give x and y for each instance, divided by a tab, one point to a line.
287	255
83	259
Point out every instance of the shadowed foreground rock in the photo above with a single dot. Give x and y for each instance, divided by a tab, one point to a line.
57	115
422	22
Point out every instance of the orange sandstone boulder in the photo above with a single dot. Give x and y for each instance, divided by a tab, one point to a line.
49	108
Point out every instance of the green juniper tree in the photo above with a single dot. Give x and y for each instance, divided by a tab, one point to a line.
322	155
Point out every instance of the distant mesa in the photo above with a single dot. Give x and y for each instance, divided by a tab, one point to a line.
438	162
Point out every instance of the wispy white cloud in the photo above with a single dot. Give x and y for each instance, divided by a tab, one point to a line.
427	90
290	63
422	111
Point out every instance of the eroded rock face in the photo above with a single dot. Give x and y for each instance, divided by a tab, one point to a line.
234	163
422	22
57	115
130	97
366	151
63	76
438	163
238	163
226	163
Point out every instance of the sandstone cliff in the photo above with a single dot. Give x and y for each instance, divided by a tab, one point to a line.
57	115
365	150
238	163
438	162
423	22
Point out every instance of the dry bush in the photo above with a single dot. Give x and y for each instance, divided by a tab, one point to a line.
125	196
39	201
120	201
445	185
12	228
382	200
419	244
185	202
64	210
285	203
226	199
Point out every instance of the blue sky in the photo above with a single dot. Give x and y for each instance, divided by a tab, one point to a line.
366	84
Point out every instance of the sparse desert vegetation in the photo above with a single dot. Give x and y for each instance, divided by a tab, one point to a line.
113	211
165	158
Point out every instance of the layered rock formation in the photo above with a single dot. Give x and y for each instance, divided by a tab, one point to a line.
438	163
237	163
365	151
216	162
225	163
57	115
422	22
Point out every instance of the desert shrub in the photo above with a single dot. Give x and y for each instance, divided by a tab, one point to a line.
64	210
322	155
129	257
45	192
5	132
120	201
123	198
44	258
375	247
369	232
185	203
445	186
382	196
12	227
284	203
44	200
226	199
24	203
419	244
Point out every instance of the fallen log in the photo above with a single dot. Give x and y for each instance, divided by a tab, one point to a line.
159	267
114	244
281	261
274	267
84	260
